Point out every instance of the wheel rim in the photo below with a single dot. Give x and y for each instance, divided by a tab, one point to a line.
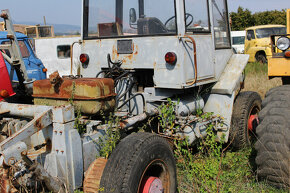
151	185
155	178
253	122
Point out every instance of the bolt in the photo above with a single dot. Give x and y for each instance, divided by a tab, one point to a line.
24	153
11	161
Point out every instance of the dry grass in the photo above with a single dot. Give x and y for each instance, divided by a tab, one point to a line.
257	79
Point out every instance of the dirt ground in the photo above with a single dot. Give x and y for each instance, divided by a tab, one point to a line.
260	83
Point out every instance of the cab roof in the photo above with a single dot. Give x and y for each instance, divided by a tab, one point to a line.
3	35
264	26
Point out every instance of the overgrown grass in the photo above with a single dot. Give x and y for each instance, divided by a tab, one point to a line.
257	79
225	170
229	172
256	68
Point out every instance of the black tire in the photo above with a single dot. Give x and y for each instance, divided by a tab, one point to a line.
246	104
136	157
273	145
261	57
285	80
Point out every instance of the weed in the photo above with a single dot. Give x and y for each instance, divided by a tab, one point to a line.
167	115
112	136
78	125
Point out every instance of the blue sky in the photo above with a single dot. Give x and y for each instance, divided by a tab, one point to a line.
69	11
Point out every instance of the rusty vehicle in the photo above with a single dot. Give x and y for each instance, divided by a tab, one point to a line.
133	59
20	60
273	152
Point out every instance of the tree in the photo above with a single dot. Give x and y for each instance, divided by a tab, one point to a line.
243	18
270	17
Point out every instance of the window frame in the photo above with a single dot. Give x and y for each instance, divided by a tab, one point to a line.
85	26
252	38
57	52
198	32
228	29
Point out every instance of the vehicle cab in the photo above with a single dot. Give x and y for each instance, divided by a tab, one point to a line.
257	42
175	44
34	67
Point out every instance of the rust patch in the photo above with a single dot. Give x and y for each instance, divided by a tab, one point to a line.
94	175
44	88
38	124
4	180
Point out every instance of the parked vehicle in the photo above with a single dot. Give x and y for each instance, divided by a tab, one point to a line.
257	43
34	67
273	152
238	41
141	55
22	64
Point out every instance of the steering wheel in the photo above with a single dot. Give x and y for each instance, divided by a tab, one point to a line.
187	16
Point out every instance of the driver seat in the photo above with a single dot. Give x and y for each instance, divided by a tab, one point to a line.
150	25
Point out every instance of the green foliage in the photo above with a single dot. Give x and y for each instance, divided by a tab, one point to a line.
78	125
270	17
167	115
214	168
201	170
257	68
244	18
112	136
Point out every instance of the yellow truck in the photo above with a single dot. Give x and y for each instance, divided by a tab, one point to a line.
257	42
273	131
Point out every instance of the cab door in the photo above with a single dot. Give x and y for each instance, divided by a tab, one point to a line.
197	27
250	44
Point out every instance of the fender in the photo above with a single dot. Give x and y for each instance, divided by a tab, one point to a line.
221	99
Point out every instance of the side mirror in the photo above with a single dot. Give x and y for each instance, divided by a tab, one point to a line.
249	37
132	15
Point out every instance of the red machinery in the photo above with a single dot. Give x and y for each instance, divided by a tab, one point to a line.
6	89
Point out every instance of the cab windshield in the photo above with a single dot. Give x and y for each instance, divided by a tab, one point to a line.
267	32
119	18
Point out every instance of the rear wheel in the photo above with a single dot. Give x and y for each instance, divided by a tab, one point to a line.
273	145
245	119
261	57
141	163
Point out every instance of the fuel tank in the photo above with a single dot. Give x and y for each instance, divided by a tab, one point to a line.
89	95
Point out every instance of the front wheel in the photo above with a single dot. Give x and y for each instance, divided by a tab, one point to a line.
245	119
141	163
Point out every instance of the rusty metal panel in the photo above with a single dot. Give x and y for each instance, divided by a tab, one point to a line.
90	95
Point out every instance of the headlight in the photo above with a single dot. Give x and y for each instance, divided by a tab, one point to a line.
283	43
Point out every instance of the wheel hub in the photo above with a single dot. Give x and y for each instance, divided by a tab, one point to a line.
152	185
252	122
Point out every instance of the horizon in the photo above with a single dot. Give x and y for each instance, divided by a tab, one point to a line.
71	15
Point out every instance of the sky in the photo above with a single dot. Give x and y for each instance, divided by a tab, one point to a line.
69	11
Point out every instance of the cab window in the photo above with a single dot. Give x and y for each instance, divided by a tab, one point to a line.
111	18
250	34
63	51
221	27
196	16
23	49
